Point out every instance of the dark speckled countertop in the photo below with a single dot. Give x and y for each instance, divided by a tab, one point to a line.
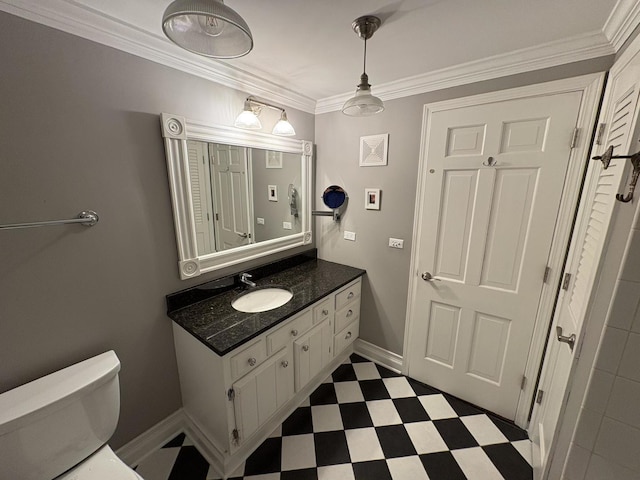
215	323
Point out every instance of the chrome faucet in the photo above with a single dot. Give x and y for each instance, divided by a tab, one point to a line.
244	278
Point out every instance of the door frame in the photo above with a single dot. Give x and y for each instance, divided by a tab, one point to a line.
591	87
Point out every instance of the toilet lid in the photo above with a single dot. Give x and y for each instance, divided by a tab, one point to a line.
102	465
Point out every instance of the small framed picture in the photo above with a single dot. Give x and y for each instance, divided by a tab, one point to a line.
372	198
274	159
273	193
374	150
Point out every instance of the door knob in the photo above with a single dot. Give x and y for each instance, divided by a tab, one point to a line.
570	340
427	277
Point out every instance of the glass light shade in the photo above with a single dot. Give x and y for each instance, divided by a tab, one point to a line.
208	28
283	127
249	120
362	104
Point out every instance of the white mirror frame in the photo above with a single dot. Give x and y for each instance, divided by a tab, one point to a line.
176	130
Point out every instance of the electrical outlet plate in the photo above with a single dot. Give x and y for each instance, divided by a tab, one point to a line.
396	243
350	236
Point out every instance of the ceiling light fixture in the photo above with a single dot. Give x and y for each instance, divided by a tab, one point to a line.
207	27
248	118
363	103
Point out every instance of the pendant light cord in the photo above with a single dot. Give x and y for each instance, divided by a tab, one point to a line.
364	67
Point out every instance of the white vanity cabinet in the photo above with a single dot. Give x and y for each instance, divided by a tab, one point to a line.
232	403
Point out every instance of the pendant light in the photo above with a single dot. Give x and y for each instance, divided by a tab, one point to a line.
208	28
248	118
363	103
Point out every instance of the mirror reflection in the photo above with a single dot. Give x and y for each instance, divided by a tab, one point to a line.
243	195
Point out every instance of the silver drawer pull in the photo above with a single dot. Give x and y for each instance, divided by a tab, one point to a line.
349	313
347	336
325	312
294	333
305	348
284	364
350	295
252	361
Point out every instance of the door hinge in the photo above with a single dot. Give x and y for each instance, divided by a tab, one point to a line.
523	383
217	218
235	436
539	397
600	133
574	138
208	219
547	271
566	281
231	394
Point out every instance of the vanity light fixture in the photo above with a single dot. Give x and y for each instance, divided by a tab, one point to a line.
248	118
208	28
363	103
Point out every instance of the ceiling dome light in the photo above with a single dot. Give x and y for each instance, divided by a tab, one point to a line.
363	103
283	127
208	28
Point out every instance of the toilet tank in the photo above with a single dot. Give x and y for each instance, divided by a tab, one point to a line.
53	423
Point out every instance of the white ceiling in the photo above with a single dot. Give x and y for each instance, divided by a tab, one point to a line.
307	54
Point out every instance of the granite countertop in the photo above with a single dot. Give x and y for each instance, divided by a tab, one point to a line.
215	322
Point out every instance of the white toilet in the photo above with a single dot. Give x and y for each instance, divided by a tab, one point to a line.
58	426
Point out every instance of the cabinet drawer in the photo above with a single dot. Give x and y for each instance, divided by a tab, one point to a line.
290	331
322	310
346	315
248	359
348	294
346	337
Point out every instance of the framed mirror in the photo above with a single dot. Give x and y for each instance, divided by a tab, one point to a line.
236	195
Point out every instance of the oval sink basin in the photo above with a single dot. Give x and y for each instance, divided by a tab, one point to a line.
261	300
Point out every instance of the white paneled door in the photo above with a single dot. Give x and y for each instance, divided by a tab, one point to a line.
231	197
494	182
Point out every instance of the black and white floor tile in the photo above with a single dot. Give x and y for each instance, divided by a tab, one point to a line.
366	422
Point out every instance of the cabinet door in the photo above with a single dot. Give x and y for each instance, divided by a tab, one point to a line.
261	393
312	352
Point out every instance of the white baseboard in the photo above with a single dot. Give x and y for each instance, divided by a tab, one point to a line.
377	354
148	442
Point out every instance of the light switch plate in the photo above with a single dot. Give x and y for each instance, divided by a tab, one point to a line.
260	221
396	243
286	225
350	235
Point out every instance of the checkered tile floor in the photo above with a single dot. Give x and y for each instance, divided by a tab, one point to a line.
366	422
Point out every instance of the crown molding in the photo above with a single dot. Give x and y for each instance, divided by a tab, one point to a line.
622	21
575	49
88	23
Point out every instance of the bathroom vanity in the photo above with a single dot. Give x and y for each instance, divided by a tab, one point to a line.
242	374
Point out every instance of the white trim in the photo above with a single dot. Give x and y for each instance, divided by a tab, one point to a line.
582	47
379	355
134	452
93	25
590	86
622	21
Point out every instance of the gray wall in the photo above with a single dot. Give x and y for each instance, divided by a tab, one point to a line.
275	213
337	139
80	130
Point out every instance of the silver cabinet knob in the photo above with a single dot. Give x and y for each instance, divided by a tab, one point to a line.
349	313
294	333
347	336
305	348
427	277
325	312
252	361
350	295
570	340
284	364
